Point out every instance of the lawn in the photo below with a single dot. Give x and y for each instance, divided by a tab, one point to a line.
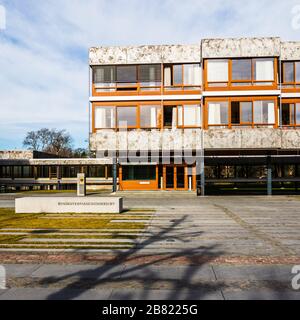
71	231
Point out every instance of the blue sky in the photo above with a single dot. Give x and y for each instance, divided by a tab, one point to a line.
44	49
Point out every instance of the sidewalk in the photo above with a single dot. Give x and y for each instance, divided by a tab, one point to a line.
150	282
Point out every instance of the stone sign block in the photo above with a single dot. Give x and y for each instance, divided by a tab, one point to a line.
69	205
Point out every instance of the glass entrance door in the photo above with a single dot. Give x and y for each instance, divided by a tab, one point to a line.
180	178
169	177
175	178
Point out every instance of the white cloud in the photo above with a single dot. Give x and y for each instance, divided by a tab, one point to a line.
43	51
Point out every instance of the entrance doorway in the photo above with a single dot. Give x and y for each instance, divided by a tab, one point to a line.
175	177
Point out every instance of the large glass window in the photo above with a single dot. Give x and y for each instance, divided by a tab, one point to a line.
182	75
218	113
297	113
297	66
96	171
288	72
264	112
246	112
150	116
104	74
126	74
105	117
170	119
27	172
264	69
290	114
189	116
241	69
5	172
177	74
126	117
241	112
217	70
150	74
138	173
192	74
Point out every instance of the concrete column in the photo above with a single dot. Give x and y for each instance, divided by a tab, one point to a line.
114	173
269	176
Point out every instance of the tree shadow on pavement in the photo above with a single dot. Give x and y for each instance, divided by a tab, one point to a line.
193	280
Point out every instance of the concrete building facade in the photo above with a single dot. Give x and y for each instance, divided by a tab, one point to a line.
223	114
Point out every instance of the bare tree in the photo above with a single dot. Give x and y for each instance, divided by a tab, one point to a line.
58	142
32	141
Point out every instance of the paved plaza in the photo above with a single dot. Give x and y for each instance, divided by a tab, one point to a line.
191	248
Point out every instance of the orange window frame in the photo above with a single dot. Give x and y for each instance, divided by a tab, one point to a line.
240	99
294	102
294	83
178	86
118	85
228	84
183	126
94	106
179	103
138	105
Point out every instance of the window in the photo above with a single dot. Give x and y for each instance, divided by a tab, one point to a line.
17	171
182	75
138	173
290	114
241	112
264	112
241	69
5	172
150	74
126	74
27	172
170	117
189	116
217	70
150	116
264	69
96	171
291	72
297	66
105	117
243	72
297	111
288	72
127	117
192	74
104	74
177	74
218	113
246	112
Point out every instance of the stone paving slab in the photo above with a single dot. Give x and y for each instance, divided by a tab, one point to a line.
54	294
263	294
125	294
20	270
278	273
80	271
182	273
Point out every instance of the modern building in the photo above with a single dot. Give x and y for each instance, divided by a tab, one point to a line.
220	116
31	170
162	113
